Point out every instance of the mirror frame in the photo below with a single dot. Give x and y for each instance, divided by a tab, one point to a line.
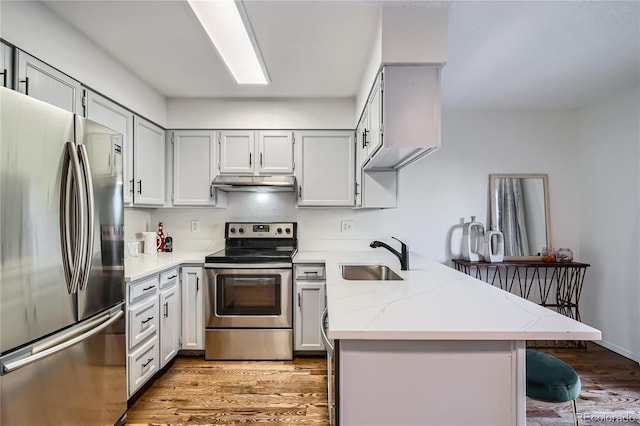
492	202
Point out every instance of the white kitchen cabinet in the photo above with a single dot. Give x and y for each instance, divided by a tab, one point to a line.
246	152
148	163
170	319
310	302
194	167
326	168
275	152
403	116
192	308
236	152
143	356
108	113
6	65
43	82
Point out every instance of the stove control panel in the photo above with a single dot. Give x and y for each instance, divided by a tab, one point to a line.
260	230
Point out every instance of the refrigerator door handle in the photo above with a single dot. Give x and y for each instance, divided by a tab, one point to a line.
9	367
90	215
71	253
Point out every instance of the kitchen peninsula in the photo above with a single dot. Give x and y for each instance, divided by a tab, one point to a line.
437	348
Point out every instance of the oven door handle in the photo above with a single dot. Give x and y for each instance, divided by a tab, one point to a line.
247	265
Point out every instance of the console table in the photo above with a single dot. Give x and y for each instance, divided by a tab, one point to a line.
559	284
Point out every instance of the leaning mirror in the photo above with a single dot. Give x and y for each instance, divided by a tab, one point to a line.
520	210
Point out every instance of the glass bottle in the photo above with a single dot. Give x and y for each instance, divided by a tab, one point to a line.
160	239
168	243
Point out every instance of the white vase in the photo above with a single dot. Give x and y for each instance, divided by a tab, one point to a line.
472	240
493	245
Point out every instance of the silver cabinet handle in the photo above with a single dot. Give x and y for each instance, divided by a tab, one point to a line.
23	362
166	309
91	214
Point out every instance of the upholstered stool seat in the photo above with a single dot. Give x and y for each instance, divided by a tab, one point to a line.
550	379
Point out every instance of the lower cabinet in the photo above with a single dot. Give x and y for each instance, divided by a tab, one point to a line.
309	302
153	326
192	308
170	319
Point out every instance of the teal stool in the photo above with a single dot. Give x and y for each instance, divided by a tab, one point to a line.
551	380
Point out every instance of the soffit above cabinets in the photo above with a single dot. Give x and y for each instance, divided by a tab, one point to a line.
500	54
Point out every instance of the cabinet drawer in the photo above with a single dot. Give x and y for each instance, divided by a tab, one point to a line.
143	321
168	277
143	288
143	364
310	272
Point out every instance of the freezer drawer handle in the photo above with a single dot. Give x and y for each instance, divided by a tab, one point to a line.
23	362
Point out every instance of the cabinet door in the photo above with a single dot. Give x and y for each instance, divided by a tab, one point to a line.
6	65
310	303
375	130
326	171
275	152
148	163
169	324
237	152
193	167
192	308
102	110
43	82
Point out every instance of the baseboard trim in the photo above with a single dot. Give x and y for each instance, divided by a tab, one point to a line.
617	349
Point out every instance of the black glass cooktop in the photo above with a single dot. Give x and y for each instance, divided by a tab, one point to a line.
251	255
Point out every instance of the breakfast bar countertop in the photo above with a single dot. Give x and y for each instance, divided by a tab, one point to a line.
432	302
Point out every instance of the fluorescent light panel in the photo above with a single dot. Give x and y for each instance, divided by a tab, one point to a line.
234	40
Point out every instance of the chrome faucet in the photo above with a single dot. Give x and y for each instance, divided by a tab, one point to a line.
403	257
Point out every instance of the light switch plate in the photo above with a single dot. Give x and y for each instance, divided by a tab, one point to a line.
195	226
346	226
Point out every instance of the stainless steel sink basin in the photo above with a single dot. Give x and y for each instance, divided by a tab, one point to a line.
369	272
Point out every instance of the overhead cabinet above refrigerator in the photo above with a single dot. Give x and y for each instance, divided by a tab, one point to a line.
401	119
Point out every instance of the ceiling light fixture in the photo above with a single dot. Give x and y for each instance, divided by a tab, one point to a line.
228	27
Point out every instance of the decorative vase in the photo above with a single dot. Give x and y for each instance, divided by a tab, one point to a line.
493	245
472	234
564	255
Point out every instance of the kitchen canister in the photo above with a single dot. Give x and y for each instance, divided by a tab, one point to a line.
493	245
150	245
472	235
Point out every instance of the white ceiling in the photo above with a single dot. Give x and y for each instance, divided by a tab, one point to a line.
501	54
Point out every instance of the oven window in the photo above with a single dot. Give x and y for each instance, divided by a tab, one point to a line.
248	295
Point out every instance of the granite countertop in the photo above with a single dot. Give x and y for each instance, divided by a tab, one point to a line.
433	302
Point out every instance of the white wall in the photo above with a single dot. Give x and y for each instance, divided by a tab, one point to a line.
609	217
322	113
435	193
35	29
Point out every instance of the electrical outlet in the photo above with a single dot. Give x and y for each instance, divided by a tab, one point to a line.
195	226
346	226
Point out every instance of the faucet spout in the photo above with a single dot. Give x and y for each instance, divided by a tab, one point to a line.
402	256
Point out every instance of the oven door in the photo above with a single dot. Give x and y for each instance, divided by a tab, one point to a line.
250	296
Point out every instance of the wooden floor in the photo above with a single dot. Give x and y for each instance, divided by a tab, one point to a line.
198	392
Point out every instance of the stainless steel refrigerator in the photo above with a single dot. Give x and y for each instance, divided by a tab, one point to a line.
62	326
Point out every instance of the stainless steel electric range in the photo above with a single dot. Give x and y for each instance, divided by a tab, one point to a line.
249	293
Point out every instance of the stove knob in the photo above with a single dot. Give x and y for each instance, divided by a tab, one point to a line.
233	230
279	231
287	230
241	230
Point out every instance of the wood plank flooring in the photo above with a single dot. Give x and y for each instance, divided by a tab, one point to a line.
198	392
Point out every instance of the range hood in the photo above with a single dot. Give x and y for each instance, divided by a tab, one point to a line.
255	183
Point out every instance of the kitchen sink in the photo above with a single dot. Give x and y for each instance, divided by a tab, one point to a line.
369	272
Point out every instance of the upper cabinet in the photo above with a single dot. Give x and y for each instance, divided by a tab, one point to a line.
106	112
148	163
194	167
401	120
326	171
43	82
6	65
247	152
